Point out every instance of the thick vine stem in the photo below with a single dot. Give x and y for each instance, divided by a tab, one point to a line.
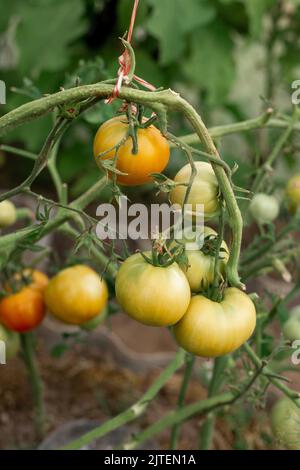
165	98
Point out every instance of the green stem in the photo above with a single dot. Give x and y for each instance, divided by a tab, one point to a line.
189	364
206	433
133	411
27	341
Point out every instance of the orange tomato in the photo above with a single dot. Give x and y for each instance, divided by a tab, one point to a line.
22	311
31	277
152	157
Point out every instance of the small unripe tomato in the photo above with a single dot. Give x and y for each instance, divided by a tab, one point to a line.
204	190
76	295
30	277
8	214
11	340
22	311
152	295
293	191
285	423
152	156
291	328
201	265
264	208
212	329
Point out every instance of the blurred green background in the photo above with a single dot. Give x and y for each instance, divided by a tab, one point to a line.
230	58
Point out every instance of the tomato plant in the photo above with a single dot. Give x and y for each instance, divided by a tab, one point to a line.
293	191
152	295
76	295
285	421
22	311
8	214
204	190
11	340
212	329
152	154
31	277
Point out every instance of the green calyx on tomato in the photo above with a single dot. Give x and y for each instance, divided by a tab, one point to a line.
291	328
285	423
200	263
113	141
204	190
152	295
213	329
264	208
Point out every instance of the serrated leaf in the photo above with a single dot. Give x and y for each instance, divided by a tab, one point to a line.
48	29
172	20
211	65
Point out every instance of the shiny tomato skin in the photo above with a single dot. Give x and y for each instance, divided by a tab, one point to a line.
22	311
76	295
204	190
212	329
285	423
200	269
152	157
152	295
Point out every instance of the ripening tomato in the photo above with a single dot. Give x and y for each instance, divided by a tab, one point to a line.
8	214
212	329
152	295
76	295
204	190
293	191
152	156
31	277
285	422
11	340
201	264
22	311
291	328
264	208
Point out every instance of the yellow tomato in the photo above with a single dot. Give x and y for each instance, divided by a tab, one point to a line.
8	214
200	269
204	190
152	295
76	295
212	329
11	340
152	156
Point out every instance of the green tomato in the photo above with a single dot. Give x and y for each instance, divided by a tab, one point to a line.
285	423
152	295
8	214
201	264
11	340
264	208
291	328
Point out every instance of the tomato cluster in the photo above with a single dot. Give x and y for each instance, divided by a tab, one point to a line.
162	294
75	295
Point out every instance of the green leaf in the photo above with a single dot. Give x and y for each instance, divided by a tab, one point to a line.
172	20
47	29
256	10
211	65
